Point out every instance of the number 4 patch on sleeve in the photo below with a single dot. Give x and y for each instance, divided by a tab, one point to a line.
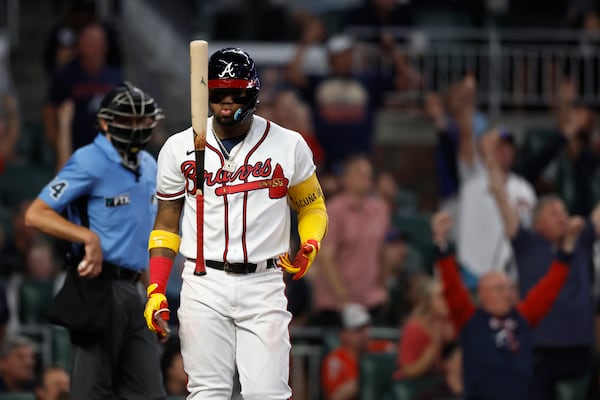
57	189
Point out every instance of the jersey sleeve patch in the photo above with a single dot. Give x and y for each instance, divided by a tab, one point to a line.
58	189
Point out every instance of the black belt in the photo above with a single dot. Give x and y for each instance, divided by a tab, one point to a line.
235	268
113	271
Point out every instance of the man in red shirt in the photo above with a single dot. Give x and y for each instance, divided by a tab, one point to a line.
339	370
496	336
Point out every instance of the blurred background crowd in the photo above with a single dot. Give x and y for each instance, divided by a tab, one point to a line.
410	107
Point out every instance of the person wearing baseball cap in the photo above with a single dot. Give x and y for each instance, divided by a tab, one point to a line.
340	371
339	44
355	316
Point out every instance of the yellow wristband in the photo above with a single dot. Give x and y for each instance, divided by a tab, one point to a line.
164	239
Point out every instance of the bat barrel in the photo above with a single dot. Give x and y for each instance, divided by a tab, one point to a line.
199	111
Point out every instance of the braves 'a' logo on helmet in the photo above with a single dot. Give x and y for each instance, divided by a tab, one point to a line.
227	70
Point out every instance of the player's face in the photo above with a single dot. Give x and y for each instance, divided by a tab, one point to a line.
225	102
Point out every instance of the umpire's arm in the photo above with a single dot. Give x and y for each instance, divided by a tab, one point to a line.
41	216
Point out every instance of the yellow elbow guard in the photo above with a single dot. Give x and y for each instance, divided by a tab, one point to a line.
308	201
164	239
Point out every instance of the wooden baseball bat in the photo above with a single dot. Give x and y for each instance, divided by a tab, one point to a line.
199	103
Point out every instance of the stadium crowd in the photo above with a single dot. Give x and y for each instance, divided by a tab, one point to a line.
518	209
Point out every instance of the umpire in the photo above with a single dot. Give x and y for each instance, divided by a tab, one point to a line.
102	201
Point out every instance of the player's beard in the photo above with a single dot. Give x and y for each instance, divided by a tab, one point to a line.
225	121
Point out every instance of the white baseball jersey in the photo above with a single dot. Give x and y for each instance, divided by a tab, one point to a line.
237	205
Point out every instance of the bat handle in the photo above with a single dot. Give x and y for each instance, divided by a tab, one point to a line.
200	269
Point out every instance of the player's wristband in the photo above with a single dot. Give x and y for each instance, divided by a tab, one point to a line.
164	239
160	269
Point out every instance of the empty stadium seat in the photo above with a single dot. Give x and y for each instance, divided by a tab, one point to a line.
61	348
34	299
573	389
19	183
408	389
17	396
375	373
418	228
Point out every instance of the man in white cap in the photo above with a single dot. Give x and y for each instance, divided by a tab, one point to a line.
340	369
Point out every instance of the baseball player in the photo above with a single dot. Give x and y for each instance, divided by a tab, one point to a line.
235	315
107	189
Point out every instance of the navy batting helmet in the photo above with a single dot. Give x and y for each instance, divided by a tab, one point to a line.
233	68
131	115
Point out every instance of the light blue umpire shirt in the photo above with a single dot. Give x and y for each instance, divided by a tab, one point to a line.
121	203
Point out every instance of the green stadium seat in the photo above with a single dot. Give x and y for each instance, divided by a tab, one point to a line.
17	396
6	220
408	389
441	16
33	146
34	299
384	332
535	139
418	227
331	340
61	348
375	373
19	183
573	389
406	202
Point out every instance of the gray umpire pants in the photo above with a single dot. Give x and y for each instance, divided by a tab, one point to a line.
124	363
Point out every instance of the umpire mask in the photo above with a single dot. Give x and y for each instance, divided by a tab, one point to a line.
131	115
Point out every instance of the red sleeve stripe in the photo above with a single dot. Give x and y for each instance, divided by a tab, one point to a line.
170	196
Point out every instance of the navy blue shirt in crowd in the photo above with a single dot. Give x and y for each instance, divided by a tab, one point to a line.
344	110
499	369
570	320
121	205
72	82
497	350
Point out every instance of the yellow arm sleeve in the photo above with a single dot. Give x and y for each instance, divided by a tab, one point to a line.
308	201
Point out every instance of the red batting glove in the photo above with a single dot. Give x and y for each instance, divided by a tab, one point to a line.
156	307
303	260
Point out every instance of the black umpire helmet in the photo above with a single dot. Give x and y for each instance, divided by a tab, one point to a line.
233	68
131	115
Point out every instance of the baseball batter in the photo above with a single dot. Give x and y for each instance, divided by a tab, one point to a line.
236	314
